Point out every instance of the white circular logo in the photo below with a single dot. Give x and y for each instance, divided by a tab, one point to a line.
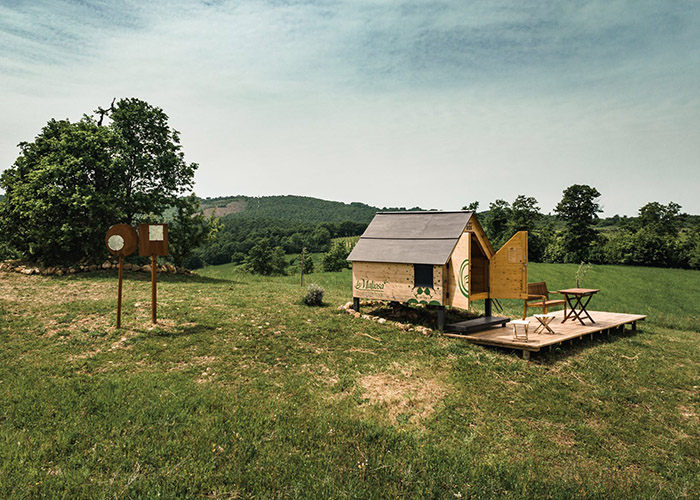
115	242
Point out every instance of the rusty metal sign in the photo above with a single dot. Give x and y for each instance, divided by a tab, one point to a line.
121	240
153	240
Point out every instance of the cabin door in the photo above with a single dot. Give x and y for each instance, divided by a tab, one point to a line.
508	269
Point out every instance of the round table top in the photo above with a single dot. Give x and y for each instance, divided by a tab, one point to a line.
579	291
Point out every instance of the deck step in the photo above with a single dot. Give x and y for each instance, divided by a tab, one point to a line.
476	325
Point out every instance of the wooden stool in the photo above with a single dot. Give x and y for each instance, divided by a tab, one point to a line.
545	320
520	322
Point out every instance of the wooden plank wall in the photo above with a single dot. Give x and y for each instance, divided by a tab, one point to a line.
508	269
395	282
458	271
479	269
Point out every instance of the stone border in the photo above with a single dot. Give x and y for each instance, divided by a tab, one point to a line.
30	269
347	308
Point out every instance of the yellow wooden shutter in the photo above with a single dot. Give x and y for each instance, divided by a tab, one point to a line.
508	269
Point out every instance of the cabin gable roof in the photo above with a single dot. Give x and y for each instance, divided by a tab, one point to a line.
411	237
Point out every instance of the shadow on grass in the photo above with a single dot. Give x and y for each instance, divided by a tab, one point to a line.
417	316
176	331
140	276
322	305
192	278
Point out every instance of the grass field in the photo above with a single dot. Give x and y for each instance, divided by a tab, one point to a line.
243	392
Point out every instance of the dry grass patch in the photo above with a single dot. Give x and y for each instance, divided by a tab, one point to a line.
90	322
688	413
403	392
23	289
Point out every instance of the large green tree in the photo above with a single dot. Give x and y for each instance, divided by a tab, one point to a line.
579	209
496	224
653	239
665	220
149	159
524	214
75	180
59	196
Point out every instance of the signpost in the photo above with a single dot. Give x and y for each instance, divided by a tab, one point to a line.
121	240
153	242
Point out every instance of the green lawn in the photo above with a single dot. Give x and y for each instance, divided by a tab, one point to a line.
243	392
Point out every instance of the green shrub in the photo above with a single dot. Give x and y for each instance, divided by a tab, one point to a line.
693	245
238	257
336	259
194	262
266	260
314	295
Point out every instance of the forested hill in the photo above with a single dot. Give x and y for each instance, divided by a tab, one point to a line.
290	208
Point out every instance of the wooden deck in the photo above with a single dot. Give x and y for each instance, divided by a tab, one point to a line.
503	337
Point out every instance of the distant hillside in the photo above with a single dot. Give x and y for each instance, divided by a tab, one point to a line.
289	207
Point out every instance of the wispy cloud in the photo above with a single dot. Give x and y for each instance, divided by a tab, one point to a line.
378	87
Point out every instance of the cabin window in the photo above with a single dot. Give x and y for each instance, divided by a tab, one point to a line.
423	275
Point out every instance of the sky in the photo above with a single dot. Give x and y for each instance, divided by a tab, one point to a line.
392	103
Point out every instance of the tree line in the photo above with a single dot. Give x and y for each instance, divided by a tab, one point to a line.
239	235
660	236
124	163
295	208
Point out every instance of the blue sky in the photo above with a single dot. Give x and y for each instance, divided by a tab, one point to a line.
392	103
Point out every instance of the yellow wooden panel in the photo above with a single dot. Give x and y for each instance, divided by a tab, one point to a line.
508	269
395	282
457	281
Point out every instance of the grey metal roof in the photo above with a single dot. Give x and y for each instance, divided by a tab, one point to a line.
410	237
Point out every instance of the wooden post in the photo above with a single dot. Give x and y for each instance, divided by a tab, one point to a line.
441	318
119	296
153	288
302	265
121	240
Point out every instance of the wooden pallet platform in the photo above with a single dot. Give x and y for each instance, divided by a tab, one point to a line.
503	337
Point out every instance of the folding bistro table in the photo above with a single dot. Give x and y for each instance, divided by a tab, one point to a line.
577	300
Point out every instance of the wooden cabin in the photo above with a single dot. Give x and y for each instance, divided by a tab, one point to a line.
436	258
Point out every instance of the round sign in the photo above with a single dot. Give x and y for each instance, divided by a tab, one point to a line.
115	242
121	240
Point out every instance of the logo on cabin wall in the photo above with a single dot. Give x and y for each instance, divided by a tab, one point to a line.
423	295
463	281
369	285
